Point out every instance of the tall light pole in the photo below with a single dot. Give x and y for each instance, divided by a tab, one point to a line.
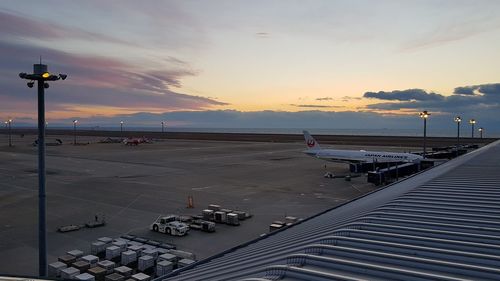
458	119
42	76
162	126
9	122
74	131
121	126
472	122
481	132
424	115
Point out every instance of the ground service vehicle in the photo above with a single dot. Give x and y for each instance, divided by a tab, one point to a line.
170	225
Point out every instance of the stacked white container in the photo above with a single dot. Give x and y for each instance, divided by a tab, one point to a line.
184	262
167	257
124	270
135	248
113	252
55	269
121	244
150	252
164	267
141	277
91	259
105	240
128	257
85	277
69	273
97	247
75	253
145	262
108	265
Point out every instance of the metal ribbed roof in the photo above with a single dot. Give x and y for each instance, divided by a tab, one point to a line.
442	224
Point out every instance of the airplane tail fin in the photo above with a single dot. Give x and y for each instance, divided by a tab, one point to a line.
310	141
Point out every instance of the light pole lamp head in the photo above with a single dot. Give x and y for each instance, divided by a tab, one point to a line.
481	129
458	119
121	122
472	121
10	120
41	69
424	114
75	121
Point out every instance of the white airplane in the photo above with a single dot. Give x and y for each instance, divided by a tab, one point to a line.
355	156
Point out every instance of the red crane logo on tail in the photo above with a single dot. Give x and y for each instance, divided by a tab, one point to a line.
310	143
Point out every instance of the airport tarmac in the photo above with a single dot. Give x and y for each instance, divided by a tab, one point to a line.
132	185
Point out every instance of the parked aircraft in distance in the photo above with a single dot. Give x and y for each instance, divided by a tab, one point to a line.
135	141
355	156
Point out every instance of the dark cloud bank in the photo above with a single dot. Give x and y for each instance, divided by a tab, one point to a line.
470	100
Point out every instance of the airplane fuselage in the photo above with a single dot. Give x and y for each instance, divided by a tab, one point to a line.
361	156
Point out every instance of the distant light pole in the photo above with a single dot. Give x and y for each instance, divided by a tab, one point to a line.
458	119
162	126
121	126
42	76
424	115
74	131
481	132
9	122
472	122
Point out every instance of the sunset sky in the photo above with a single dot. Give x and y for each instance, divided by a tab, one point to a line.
145	61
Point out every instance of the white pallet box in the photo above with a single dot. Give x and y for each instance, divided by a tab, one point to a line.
185	262
135	248
113	252
141	277
108	265
69	273
145	262
75	253
128	257
85	277
105	240
122	244
91	259
124	270
168	257
55	269
164	267
97	247
150	252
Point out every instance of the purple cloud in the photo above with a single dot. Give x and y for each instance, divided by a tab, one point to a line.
12	24
95	81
